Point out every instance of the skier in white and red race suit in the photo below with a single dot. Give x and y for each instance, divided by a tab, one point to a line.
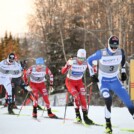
75	68
37	74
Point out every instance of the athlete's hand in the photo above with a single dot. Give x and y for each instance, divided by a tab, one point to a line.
123	76
28	88
70	62
94	79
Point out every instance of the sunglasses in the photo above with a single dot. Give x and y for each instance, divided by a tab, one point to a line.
81	59
114	47
11	61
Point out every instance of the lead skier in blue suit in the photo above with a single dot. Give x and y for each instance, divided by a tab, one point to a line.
109	60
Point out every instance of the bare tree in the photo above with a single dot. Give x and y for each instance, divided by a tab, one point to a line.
54	21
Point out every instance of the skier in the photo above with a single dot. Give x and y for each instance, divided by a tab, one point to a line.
37	75
14	82
30	97
75	68
110	59
17	81
9	69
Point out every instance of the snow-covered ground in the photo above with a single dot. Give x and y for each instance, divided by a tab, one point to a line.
24	124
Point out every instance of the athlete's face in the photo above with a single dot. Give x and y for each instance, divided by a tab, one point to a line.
114	48
80	60
10	61
38	68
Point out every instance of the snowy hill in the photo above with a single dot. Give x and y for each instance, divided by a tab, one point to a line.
25	124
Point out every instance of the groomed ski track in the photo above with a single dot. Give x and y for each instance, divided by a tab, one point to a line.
25	124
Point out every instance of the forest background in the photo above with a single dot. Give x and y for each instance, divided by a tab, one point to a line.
58	28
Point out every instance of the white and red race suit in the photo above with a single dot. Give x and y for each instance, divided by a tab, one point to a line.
74	82
37	74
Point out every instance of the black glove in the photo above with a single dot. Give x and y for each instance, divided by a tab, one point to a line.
94	79
123	76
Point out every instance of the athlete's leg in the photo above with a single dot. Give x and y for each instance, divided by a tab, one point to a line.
44	93
14	87
73	91
35	98
8	87
81	90
105	92
35	93
122	93
82	93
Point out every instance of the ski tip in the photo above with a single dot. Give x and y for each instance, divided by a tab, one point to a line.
127	129
53	110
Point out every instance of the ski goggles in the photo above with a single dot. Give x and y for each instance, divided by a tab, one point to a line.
10	61
81	59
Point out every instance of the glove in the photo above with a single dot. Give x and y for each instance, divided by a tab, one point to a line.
94	79
123	76
28	88
70	62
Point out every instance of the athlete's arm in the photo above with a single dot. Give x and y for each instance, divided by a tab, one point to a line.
48	72
67	66
96	56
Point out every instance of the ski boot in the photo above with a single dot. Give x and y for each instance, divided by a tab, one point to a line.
10	108
50	114
86	119
34	112
108	128
78	116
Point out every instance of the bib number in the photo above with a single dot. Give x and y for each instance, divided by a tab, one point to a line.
111	68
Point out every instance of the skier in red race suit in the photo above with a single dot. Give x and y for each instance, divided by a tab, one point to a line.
37	74
75	68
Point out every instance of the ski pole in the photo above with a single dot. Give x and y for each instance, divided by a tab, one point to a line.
89	85
23	103
43	112
33	99
89	97
67	94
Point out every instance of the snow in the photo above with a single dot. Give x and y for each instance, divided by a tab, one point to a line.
25	124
